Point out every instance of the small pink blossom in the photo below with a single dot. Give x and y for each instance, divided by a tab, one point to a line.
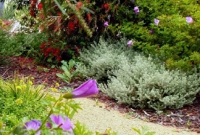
156	21
130	43
189	19
105	24
136	9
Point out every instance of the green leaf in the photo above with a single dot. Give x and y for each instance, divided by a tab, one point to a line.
137	130
60	75
67	73
150	133
88	10
60	7
71	64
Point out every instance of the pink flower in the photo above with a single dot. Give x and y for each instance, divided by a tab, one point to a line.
105	24
130	43
62	122
136	9
33	125
189	19
156	21
84	90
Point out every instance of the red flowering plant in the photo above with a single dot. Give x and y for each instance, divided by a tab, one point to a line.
78	23
63	22
50	53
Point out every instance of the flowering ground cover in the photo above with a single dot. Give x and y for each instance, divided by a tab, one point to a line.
142	54
187	117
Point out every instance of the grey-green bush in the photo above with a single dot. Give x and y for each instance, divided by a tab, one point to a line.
137	80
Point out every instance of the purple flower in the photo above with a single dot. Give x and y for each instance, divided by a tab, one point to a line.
156	21
189	19
105	24
132	0
136	9
130	43
63	122
48	124
84	90
33	125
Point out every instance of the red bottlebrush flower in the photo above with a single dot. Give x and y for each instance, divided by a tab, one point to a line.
42	45
89	17
71	26
48	50
58	58
32	13
106	6
79	5
46	54
40	6
56	52
33	5
59	13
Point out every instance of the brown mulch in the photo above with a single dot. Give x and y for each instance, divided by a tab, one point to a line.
187	117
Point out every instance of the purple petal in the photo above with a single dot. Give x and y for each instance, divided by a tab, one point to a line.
48	124
156	21
130	43
33	125
86	89
67	125
105	24
136	9
189	19
57	119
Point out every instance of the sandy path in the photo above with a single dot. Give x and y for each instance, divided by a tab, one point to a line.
97	118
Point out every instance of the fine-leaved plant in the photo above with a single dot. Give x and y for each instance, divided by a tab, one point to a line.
132	78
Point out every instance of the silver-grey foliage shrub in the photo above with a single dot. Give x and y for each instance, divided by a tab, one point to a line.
137	80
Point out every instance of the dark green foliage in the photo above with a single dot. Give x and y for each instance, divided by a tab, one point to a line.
173	40
5	49
23	44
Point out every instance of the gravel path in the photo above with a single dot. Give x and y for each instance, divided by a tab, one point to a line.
97	118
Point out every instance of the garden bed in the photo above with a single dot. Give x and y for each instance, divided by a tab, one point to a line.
185	118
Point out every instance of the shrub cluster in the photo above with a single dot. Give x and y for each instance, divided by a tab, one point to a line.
76	24
134	79
169	33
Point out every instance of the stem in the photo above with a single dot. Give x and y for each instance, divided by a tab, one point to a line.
45	120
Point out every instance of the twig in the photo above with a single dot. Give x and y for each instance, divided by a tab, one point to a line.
146	113
175	115
5	72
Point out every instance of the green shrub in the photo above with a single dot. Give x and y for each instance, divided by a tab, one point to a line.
5	49
101	59
173	39
134	79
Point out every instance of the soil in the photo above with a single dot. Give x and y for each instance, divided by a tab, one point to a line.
186	118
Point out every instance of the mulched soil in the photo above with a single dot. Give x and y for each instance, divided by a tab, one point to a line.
187	117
